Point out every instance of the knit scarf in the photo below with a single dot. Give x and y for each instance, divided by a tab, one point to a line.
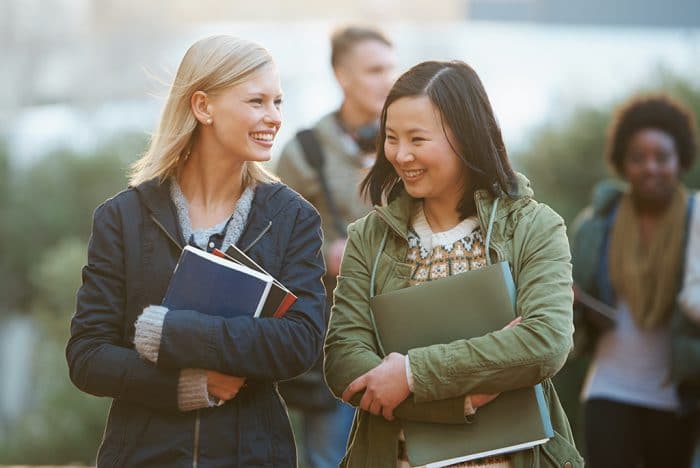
647	276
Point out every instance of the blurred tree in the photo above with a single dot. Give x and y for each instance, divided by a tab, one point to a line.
565	159
61	424
46	210
51	200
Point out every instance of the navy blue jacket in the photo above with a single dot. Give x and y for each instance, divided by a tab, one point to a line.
134	247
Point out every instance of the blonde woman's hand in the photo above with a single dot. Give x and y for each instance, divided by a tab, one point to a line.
222	386
385	386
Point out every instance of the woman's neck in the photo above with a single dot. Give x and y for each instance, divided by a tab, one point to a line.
212	185
650	215
441	217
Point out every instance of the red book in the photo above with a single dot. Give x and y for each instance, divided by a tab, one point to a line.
279	299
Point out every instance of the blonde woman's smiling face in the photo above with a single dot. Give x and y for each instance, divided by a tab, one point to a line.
246	117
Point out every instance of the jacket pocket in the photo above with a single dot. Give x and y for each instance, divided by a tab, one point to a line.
560	453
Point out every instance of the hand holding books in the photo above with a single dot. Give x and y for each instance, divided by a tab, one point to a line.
223	386
385	386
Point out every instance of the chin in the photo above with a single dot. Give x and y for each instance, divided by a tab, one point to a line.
415	193
260	157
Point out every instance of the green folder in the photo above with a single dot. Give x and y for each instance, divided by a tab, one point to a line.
462	306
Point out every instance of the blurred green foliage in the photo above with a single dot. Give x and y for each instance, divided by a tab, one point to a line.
47	213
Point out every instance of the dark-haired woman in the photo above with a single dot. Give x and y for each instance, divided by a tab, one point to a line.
629	251
448	199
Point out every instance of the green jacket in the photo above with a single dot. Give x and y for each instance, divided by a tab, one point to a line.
532	238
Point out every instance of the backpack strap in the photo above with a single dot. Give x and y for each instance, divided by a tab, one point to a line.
314	155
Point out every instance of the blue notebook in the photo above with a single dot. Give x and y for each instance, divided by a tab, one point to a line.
216	286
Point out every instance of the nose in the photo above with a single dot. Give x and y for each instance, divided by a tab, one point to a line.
404	155
273	117
651	165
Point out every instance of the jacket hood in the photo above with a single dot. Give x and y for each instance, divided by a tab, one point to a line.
605	193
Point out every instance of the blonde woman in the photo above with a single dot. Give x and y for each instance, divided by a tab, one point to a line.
188	388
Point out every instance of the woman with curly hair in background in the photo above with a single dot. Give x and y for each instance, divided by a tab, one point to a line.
629	252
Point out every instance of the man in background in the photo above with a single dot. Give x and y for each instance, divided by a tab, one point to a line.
325	164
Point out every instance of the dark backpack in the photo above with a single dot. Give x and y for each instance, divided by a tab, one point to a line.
313	153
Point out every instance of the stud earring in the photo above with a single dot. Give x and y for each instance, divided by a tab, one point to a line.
209	121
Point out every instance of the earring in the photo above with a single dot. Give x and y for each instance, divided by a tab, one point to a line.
209	121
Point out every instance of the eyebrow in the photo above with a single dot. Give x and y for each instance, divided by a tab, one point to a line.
260	93
411	130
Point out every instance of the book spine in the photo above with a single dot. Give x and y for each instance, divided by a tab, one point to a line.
286	303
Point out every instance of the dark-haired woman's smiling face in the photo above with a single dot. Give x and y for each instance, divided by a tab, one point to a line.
651	165
419	150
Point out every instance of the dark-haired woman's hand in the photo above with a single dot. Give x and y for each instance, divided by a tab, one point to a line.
385	386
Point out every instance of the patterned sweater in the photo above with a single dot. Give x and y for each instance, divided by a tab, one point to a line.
434	255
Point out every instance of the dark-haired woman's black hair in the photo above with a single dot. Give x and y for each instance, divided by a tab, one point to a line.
655	111
457	93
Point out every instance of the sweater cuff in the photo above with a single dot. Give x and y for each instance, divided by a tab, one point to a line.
192	391
409	374
149	328
469	409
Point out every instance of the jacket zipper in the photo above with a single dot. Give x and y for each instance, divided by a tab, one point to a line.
195	452
255	241
167	234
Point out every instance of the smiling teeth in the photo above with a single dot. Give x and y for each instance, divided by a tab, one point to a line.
413	173
263	136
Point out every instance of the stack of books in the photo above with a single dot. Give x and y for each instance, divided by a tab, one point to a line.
227	284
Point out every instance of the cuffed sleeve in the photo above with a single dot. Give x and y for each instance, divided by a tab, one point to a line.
148	330
409	374
192	391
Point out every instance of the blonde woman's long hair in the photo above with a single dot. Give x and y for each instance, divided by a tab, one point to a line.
210	65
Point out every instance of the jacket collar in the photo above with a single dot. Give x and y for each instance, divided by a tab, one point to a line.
397	214
155	195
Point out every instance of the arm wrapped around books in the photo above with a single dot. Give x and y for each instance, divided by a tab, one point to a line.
259	348
99	361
